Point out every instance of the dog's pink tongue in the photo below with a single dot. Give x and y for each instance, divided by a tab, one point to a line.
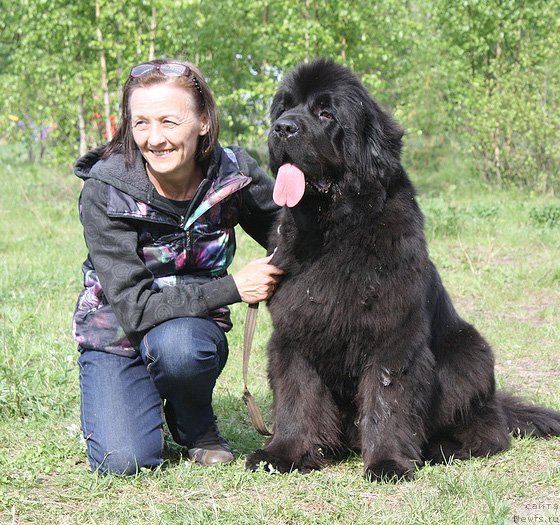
290	186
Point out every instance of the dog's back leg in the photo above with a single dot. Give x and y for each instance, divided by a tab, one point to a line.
480	432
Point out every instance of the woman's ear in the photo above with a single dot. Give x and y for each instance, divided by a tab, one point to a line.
204	124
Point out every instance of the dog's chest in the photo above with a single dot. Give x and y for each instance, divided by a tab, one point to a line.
320	315
326	300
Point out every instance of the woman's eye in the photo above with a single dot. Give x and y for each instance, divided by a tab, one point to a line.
169	123
326	114
141	125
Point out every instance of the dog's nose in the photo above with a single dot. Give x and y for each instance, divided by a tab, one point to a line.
285	128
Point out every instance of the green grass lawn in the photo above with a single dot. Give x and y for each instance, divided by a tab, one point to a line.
499	255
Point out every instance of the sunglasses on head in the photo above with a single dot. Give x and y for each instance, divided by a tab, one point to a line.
169	69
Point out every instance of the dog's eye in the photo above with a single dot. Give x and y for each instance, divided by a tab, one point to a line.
326	114
278	111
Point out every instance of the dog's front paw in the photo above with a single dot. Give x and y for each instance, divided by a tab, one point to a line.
389	470
262	460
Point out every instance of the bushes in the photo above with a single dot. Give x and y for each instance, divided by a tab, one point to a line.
501	68
546	216
485	73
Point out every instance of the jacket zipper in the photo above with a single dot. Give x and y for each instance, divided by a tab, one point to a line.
196	200
198	196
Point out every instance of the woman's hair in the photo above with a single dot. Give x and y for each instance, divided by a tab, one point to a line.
123	141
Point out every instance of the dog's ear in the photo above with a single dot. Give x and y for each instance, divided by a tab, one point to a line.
383	137
373	143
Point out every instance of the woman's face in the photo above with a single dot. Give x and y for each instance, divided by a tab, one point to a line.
166	126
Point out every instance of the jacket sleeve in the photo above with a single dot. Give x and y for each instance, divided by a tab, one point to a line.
258	212
126	281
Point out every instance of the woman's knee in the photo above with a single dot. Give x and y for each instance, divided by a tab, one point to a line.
185	347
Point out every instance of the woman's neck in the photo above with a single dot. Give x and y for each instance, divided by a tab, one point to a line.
179	190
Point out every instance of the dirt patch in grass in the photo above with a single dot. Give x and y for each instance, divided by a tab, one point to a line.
536	310
528	373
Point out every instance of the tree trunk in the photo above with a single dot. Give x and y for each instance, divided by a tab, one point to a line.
42	148
306	34
497	135
317	25
265	15
104	83
497	155
82	126
153	28
30	155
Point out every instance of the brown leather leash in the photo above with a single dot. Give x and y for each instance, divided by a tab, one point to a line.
254	412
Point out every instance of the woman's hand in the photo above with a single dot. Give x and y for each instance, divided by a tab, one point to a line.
256	281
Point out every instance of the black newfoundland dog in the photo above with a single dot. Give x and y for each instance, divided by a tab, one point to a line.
368	352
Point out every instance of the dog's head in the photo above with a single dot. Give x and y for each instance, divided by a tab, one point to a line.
325	129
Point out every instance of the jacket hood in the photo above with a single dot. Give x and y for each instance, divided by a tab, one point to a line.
114	171
134	180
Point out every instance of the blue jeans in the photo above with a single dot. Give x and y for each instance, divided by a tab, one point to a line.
121	397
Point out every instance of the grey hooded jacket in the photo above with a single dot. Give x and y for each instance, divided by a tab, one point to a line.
145	263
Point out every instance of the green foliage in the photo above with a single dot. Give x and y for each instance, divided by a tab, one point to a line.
442	219
501	61
548	215
485	72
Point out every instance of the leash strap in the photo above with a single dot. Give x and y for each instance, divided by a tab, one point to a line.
254	412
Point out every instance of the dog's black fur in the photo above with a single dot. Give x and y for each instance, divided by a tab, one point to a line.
368	352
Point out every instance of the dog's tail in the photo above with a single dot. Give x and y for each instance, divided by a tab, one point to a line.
525	419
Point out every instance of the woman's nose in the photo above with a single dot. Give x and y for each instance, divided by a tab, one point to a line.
156	135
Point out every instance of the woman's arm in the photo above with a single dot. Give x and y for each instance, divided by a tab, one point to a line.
258	212
127	282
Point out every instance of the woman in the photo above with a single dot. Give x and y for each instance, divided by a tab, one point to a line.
158	207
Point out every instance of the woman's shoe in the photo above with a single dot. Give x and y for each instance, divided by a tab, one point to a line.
211	448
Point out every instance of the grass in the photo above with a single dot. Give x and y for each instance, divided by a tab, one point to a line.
498	253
